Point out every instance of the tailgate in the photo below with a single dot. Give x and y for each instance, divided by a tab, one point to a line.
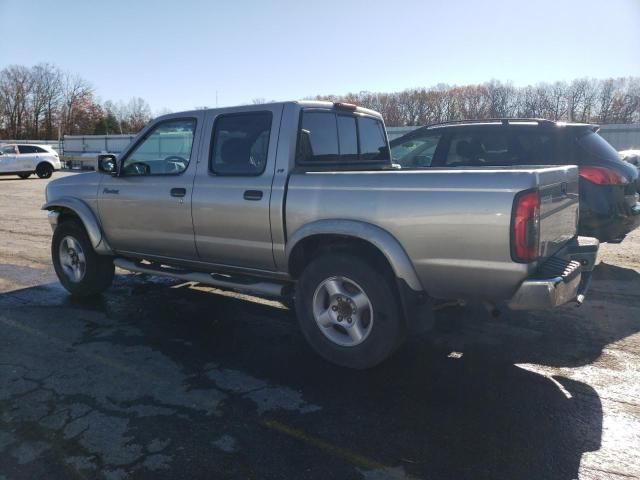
558	189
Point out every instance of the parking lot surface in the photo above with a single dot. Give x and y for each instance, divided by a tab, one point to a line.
158	379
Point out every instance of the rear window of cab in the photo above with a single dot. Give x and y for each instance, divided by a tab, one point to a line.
331	137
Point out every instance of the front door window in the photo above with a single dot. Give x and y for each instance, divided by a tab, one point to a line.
165	150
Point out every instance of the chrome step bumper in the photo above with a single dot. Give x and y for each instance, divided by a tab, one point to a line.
563	278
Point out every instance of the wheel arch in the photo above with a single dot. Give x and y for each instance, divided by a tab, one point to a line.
74	207
45	161
305	242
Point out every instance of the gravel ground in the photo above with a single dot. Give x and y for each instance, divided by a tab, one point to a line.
164	380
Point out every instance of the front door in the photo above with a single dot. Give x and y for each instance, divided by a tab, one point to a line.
233	188
146	210
8	159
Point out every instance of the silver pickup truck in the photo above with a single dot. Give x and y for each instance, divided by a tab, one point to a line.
301	200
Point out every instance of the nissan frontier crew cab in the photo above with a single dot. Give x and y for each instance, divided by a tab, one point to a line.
301	200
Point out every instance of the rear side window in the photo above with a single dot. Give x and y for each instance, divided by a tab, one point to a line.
479	148
240	144
373	141
533	148
327	137
27	149
318	138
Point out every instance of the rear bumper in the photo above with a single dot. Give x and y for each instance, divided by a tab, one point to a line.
564	278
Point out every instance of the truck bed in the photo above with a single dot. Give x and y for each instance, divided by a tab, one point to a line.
454	224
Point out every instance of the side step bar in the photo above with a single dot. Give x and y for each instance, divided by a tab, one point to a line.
227	282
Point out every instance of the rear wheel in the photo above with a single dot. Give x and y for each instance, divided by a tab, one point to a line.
44	170
24	176
80	270
348	311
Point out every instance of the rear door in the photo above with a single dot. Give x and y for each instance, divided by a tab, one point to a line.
29	157
233	188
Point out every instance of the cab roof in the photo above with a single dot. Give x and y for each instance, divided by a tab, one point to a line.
302	103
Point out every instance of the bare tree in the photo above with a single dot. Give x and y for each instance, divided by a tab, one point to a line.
139	113
76	92
50	79
45	98
500	99
15	87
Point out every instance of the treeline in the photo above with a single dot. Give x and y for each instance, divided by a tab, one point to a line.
614	100
42	102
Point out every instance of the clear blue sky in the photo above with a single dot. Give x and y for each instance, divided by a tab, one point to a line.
177	53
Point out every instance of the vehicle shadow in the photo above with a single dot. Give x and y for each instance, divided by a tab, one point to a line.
10	178
452	405
569	336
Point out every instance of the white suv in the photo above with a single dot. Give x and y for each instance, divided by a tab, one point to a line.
24	160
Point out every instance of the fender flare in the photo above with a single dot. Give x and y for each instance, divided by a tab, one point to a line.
87	217
378	237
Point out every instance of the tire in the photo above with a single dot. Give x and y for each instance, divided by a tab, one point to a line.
330	289
92	274
24	176
44	170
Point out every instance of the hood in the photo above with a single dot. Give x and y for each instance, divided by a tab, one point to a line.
80	185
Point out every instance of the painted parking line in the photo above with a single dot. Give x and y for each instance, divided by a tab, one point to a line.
369	467
345	454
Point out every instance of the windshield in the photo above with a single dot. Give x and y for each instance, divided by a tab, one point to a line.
597	147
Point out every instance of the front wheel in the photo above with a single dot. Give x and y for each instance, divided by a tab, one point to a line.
348	311
44	170
80	270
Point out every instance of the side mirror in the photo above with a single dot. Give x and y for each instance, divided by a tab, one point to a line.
108	164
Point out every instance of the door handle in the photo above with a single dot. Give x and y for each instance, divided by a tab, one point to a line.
253	195
178	192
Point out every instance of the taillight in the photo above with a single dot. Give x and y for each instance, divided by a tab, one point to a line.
602	176
525	227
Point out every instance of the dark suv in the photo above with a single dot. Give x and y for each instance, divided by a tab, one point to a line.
609	207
